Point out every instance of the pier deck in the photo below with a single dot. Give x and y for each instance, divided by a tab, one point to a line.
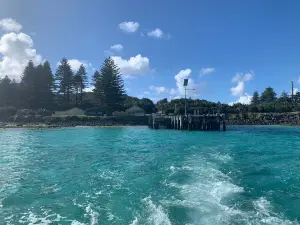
208	122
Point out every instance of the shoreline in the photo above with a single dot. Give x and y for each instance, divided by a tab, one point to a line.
45	126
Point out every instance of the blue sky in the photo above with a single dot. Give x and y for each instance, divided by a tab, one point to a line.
240	46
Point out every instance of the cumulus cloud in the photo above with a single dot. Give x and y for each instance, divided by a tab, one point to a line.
244	99
204	71
173	92
16	50
193	88
242	77
156	33
117	47
158	90
239	90
129	26
295	91
9	25
137	65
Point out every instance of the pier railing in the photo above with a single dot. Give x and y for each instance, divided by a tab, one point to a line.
207	122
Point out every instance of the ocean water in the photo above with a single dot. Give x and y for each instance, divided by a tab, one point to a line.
134	175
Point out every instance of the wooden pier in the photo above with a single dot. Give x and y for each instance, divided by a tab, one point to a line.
209	122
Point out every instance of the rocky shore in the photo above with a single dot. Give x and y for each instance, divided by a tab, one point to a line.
73	121
292	119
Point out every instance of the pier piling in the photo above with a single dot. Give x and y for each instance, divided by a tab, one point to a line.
208	122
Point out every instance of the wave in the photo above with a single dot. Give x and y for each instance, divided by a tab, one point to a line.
208	192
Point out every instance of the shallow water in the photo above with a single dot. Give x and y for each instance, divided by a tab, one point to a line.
134	175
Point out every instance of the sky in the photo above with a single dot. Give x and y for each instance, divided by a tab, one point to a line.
227	49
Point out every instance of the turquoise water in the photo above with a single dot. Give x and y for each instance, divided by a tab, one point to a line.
134	175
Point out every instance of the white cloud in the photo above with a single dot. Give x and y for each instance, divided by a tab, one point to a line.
298	81
244	99
134	66
158	90
89	89
156	33
239	89
75	64
242	77
129	27
146	93
193	88
16	50
295	91
205	71
9	25
173	91
117	47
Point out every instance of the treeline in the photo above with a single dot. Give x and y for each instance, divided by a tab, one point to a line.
264	103
40	88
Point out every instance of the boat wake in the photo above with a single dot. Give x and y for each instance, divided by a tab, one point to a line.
209	193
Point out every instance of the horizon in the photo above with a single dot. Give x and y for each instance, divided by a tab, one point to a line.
227	50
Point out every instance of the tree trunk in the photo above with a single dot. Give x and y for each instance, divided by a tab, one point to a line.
81	95
76	95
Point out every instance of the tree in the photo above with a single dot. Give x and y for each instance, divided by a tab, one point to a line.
284	98
80	82
268	96
162	105
147	105
64	79
47	85
95	77
255	98
5	91
29	86
109	89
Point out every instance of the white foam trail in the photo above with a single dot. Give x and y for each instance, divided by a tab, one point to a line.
221	157
135	221
264	215
206	194
157	216
93	214
75	222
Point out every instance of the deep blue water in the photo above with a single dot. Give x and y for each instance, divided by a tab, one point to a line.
134	175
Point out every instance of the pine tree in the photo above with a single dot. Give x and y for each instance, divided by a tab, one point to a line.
109	88
268	96
77	85
284	97
5	91
64	79
95	77
255	98
81	80
29	86
47	82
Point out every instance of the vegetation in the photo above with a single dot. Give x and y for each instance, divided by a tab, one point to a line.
109	88
41	92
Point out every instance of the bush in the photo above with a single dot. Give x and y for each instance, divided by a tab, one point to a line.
25	112
7	112
43	112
